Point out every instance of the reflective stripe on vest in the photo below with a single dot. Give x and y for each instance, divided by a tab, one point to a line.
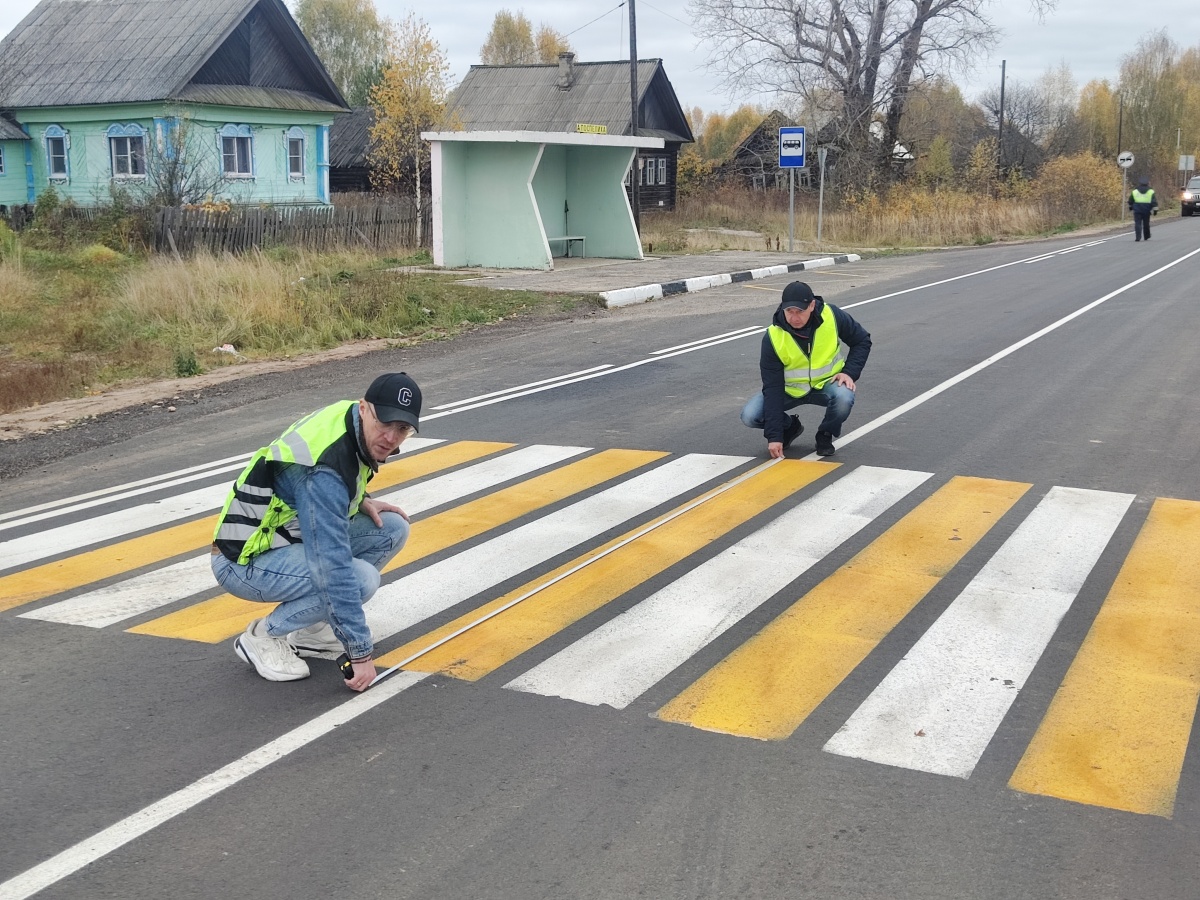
1139	197
255	519
802	374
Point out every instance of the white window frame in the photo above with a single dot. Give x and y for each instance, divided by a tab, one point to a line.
127	135
57	135
239	137
1	159
295	137
662	170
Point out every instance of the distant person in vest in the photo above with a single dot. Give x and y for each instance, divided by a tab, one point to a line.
1144	204
300	530
802	361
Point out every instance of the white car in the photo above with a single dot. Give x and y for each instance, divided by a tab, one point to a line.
1190	197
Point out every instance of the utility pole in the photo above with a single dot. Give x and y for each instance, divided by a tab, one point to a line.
1120	139
636	173
1000	125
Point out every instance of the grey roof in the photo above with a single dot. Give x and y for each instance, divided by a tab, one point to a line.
256	97
84	52
527	98
349	138
10	131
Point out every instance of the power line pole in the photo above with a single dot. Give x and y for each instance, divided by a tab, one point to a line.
1000	126
636	173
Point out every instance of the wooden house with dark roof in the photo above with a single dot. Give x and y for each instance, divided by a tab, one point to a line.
581	96
125	93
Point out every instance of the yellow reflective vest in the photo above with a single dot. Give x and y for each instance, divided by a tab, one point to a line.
255	519
802	374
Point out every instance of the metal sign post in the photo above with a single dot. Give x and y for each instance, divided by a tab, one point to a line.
821	151
791	157
1125	160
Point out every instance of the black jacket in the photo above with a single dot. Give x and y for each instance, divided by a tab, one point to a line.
850	333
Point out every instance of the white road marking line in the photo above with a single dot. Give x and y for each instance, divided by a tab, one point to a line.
937	710
996	357
132	597
522	387
622	659
921	287
89	532
436	588
115	494
740	332
99	845
144	593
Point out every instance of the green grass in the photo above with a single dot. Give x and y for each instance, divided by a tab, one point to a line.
75	321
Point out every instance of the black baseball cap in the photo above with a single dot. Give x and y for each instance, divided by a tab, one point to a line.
797	294
396	398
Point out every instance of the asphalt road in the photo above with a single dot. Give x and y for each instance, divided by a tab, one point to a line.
963	663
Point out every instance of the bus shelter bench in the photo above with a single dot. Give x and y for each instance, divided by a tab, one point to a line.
568	240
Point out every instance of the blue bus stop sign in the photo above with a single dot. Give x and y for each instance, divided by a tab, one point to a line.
791	147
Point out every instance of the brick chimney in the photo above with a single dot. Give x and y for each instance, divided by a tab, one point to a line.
566	71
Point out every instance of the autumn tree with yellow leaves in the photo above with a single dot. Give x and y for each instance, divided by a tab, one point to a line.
409	98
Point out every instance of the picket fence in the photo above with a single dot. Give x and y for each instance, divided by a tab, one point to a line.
181	230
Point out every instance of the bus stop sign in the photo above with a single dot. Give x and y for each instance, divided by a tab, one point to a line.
791	147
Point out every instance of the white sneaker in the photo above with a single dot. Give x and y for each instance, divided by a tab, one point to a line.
271	657
315	640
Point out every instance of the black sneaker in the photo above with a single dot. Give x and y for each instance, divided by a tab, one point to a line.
824	443
794	430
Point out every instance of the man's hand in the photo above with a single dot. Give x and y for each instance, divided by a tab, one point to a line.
844	380
373	508
775	448
364	674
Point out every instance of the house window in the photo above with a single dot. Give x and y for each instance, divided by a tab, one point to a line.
127	150
57	145
237	151
294	138
1	160
662	170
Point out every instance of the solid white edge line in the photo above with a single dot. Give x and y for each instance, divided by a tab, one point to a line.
612	371
996	357
87	851
738	332
521	387
921	287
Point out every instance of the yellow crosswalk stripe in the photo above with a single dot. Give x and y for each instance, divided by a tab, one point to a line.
770	684
91	566
223	617
1117	730
505	636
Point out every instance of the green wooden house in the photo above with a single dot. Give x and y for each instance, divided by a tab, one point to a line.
179	98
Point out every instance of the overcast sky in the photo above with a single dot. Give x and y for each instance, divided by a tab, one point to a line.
1090	36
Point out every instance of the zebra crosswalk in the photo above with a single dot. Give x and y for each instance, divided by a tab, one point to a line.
609	570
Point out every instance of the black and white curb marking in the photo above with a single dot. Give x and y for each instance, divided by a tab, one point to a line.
642	293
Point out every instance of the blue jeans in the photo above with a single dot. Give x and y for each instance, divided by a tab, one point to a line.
283	575
837	400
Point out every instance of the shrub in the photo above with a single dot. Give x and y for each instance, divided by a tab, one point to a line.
1082	188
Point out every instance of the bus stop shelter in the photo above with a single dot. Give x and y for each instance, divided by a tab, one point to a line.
517	199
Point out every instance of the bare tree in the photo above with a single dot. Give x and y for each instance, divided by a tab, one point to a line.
858	56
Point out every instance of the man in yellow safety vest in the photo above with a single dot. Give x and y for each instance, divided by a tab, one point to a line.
802	361
1144	204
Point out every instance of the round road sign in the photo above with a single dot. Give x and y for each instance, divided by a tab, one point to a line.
1125	160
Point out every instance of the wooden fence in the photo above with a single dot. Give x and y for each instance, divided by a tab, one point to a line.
242	229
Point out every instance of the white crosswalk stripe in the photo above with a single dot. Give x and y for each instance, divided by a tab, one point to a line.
940	706
91	532
617	662
144	593
444	584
